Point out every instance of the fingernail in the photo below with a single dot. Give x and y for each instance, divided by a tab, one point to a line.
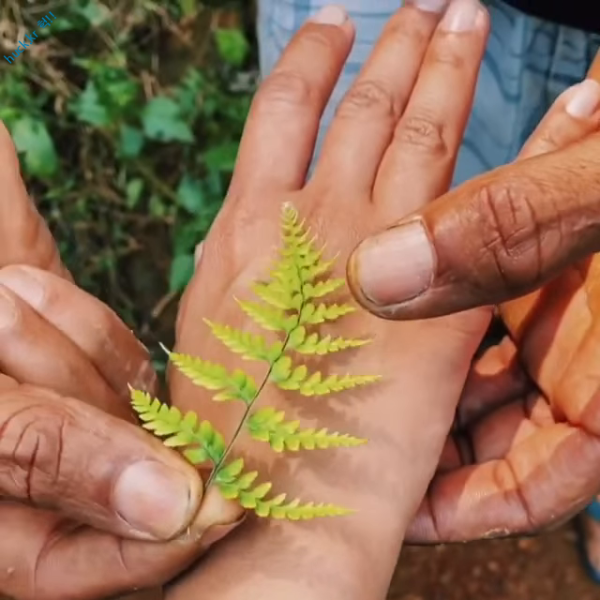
24	284
8	310
217	532
435	6
153	499
395	265
462	15
585	100
330	15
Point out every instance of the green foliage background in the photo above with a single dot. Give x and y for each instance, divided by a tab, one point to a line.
127	116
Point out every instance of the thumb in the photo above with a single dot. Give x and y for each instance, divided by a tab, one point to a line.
68	456
492	239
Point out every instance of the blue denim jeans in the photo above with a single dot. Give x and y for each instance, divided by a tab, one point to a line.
527	64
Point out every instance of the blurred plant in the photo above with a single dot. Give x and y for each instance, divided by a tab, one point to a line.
127	117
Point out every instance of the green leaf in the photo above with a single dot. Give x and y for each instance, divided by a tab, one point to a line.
201	439
182	270
89	108
162	121
31	138
190	194
94	12
131	141
232	45
221	157
134	191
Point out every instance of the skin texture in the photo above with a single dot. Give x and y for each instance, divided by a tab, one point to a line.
392	122
403	138
73	527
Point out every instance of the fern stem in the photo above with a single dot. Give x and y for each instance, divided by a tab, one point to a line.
264	382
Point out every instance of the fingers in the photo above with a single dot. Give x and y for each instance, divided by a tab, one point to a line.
35	352
282	126
101	337
60	453
495	379
366	117
495	237
542	481
25	237
429	134
50	559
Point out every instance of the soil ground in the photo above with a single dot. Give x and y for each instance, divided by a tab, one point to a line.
541	568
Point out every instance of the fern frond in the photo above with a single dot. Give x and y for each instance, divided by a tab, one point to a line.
322	288
294	511
268	317
200	439
236	385
250	346
312	314
268	425
288	377
236	485
288	305
312	343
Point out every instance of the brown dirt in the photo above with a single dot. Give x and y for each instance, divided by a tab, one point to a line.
542	568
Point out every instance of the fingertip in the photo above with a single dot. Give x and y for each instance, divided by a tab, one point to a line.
332	14
392	268
584	99
215	518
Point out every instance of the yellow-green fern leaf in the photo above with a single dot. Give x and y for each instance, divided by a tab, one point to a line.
199	438
250	346
268	425
315	385
268	317
294	511
322	288
231	386
312	314
314	344
278	295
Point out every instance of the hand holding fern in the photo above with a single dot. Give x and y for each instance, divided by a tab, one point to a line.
82	488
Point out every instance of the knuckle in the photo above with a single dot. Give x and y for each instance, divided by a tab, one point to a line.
11	319
31	451
317	41
509	234
447	56
283	89
368	98
402	32
422	133
21	273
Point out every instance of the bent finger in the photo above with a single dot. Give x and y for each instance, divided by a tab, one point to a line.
29	347
98	564
89	324
60	453
543	481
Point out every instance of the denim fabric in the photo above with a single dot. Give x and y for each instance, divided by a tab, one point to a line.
527	64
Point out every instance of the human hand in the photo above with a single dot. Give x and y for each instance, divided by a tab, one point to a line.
397	128
84	493
527	455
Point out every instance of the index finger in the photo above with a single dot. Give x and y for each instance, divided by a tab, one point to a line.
24	236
